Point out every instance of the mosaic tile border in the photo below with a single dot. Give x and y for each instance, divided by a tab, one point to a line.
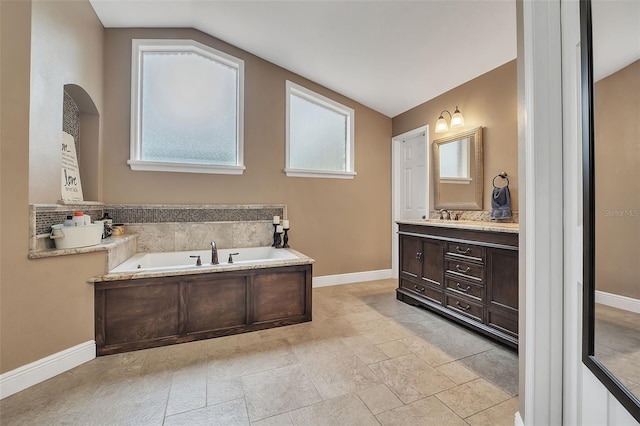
476	215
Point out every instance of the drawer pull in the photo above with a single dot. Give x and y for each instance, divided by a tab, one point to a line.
463	289
459	250
420	289
464	271
418	256
464	308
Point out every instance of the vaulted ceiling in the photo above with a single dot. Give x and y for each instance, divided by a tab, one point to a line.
388	55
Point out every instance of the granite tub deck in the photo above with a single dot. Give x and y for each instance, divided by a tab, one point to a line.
166	306
296	258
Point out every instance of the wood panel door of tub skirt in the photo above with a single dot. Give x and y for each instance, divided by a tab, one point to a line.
149	312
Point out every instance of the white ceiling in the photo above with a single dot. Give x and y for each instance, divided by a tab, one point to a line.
388	55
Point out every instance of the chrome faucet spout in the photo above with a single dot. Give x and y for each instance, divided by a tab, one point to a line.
214	253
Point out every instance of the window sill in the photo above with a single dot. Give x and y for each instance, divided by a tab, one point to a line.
319	174
157	166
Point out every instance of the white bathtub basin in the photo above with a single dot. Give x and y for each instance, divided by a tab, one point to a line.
181	259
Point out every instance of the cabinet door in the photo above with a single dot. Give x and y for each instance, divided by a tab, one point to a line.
432	270
410	255
502	280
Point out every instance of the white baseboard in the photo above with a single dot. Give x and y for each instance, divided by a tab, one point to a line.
31	374
354	277
616	301
518	420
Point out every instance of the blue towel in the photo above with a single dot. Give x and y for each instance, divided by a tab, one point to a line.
500	203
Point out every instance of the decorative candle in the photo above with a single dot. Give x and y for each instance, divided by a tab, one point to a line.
279	229
276	220
285	224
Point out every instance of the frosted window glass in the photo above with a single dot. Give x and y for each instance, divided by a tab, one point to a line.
454	159
317	136
189	109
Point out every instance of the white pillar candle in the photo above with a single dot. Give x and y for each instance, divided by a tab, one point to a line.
279	229
285	224
276	220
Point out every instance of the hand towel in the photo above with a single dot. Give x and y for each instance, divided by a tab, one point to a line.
500	203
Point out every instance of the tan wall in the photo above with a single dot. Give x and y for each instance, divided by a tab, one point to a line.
66	48
344	224
45	305
617	151
489	101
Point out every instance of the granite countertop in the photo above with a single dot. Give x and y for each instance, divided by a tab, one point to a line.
193	270
512	228
105	245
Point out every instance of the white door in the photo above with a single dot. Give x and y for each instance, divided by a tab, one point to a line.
410	182
413	196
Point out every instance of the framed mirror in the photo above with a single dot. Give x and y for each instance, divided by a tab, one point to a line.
610	47
458	173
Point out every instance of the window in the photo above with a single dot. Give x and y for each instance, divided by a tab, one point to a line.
186	108
319	135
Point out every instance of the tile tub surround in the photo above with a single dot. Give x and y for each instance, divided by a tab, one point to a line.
347	366
239	225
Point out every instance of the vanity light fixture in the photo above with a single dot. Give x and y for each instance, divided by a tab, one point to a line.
457	120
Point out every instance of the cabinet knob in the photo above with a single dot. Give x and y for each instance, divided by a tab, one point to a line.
420	289
464	271
464	308
463	289
418	256
459	250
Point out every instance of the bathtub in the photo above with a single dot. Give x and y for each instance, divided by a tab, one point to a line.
182	260
158	299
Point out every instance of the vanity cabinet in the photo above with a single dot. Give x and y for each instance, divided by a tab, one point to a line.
470	276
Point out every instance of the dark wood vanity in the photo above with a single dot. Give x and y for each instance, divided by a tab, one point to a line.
142	313
467	275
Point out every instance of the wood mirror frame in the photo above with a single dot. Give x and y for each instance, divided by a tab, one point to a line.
608	379
473	200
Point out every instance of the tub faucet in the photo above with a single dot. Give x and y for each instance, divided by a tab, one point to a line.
214	253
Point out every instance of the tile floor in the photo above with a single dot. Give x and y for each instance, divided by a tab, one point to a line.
617	344
365	359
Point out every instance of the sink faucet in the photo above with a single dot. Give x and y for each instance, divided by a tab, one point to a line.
214	253
444	214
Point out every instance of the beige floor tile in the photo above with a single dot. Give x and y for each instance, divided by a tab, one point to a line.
379	399
347	410
224	391
424	412
364	349
394	349
188	390
226	414
471	398
502	414
410	378
457	372
279	420
277	391
318	370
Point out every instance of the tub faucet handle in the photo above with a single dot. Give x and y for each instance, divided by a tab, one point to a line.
231	257
198	262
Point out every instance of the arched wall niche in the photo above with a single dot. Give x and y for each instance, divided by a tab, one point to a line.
82	120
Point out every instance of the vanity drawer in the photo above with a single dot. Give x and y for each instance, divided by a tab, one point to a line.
428	292
464	306
467	252
471	271
461	287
